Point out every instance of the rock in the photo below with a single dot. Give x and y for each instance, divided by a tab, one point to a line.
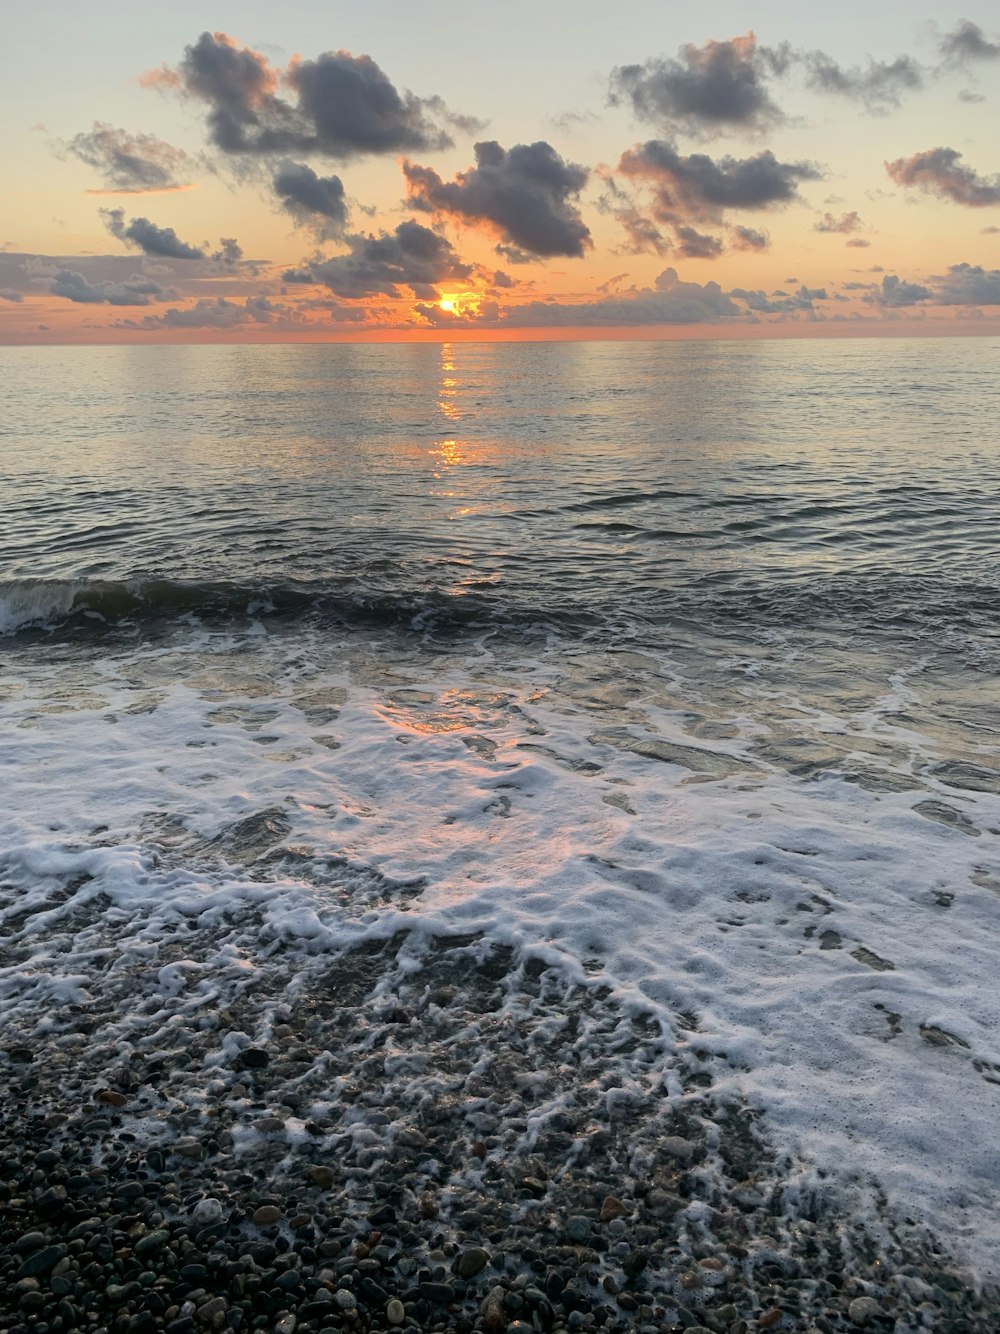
677	1147
471	1262
577	1229
267	1215
152	1241
51	1200
345	1299
439	1293
613	1208
29	1241
321	1176
112	1098
864	1309
254	1058
770	1318
41	1261
395	1312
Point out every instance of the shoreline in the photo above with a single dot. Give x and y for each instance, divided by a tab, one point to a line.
368	1141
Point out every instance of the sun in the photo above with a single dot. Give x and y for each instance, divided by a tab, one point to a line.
447	303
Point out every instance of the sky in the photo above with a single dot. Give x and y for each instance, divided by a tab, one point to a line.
409	170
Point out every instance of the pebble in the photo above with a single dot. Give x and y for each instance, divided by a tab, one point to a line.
267	1215
395	1311
471	1262
577	1229
864	1309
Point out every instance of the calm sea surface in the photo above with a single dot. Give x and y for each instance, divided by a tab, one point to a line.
676	663
608	481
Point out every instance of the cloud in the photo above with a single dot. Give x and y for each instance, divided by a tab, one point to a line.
967	43
896	293
344	106
141	234
692	244
669	301
858	243
411	257
312	201
230	252
128	163
879	85
218	314
846	223
135	291
526	195
700	189
707	89
781	303
968	285
7	294
748	238
937	171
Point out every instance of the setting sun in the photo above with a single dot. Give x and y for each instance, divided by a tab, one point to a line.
447	303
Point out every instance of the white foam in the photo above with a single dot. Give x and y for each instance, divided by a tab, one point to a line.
739	894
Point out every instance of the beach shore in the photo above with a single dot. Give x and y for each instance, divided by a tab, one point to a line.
450	1136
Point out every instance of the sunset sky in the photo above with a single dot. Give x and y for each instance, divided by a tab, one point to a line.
252	172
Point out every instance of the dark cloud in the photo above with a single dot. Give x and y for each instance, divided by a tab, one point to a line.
230	252
128	163
967	43
314	202
144	235
895	293
707	89
781	303
669	301
938	171
968	285
218	314
990	231
411	257
700	189
879	85
748	238
501	279
527	195
643	236
846	223
135	291
858	243
7	294
692	244
345	106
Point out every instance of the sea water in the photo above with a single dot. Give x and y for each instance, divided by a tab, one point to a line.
674	664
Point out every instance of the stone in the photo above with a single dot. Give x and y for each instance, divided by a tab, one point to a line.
41	1261
395	1312
677	1147
613	1208
29	1241
577	1229
471	1262
152	1241
864	1309
267	1215
321	1176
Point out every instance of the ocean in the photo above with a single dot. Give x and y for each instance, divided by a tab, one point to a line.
670	668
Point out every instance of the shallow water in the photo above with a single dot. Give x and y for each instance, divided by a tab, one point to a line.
673	663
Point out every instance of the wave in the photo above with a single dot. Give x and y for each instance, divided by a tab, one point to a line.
32	605
733	602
